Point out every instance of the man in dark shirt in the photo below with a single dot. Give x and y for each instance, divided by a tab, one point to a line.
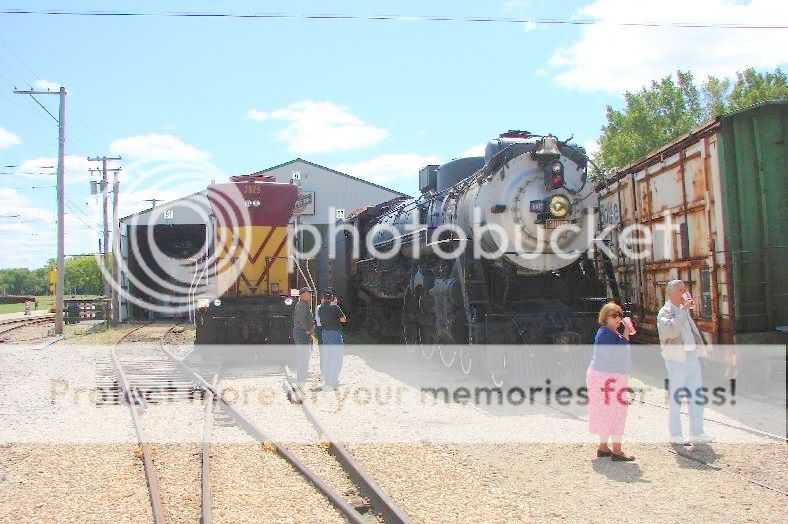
331	319
303	327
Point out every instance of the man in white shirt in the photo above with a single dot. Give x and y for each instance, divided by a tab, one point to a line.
682	346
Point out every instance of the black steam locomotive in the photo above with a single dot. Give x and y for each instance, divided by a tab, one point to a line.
493	252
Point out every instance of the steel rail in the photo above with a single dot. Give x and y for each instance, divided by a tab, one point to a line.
381	502
23	322
242	420
8	321
205	496
687	456
147	462
726	470
753	431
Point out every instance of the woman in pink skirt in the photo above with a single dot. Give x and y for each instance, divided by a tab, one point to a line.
606	379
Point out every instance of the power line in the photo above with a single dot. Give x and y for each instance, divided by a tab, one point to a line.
72	141
44	108
402	18
19	58
79	212
78	208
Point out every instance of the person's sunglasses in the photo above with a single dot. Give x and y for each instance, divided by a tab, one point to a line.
616	315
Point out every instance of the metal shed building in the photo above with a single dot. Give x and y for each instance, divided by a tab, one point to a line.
179	228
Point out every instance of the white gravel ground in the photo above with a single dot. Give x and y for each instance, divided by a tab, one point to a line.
538	482
72	483
250	484
32	334
411	450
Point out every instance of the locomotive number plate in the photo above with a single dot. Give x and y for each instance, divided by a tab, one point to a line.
555	224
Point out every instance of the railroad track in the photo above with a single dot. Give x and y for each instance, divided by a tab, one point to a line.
677	451
681	452
152	369
7	326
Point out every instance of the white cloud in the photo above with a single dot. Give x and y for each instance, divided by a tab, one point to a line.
321	127
615	58
257	116
47	85
29	238
14	203
591	147
385	169
157	147
8	139
76	169
522	9
477	150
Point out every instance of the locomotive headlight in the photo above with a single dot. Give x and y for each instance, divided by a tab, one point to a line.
289	301
553	175
559	206
217	302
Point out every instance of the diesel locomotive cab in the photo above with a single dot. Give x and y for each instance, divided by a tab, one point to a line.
246	283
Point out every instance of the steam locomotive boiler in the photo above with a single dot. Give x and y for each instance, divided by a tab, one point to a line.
245	278
493	252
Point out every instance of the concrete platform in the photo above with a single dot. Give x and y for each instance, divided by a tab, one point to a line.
21	314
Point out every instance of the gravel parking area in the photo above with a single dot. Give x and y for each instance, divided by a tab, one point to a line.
536	482
428	457
72	483
31	334
251	484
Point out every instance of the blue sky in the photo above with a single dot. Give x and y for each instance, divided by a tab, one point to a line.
185	101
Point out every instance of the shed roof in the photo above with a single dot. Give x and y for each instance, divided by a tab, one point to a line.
351	177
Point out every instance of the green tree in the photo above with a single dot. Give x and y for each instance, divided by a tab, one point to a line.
715	93
651	117
17	281
668	108
752	88
83	275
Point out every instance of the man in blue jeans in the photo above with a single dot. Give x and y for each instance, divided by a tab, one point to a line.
682	346
303	327
332	349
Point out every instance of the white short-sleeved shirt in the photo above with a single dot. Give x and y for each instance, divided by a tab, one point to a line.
317	315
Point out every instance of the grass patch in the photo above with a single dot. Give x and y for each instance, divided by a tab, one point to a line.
43	303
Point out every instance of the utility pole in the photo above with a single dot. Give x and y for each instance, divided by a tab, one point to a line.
104	191
61	233
115	249
152	201
105	203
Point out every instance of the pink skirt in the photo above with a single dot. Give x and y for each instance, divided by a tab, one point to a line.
608	401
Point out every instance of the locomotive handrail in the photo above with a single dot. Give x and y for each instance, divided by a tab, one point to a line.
309	281
192	318
193	287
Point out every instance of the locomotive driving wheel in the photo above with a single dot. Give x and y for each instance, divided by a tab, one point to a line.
410	327
498	367
466	361
448	356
